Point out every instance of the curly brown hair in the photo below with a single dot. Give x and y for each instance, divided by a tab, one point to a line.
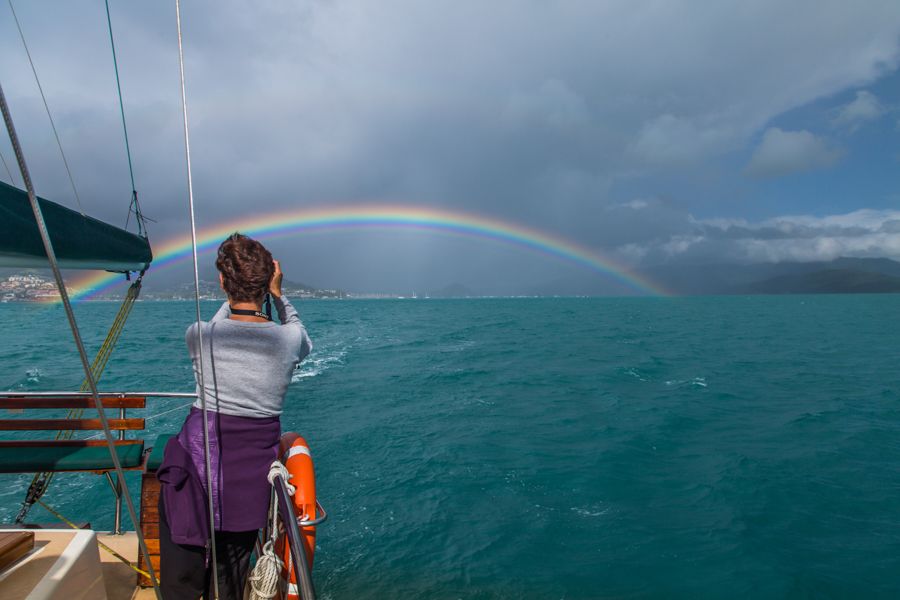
246	267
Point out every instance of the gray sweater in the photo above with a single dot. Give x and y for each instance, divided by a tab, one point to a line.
248	366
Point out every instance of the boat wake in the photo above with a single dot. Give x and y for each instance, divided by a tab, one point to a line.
699	382
318	362
31	380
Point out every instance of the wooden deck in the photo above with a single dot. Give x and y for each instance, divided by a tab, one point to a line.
119	578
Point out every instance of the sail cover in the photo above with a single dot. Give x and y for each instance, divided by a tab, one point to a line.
80	242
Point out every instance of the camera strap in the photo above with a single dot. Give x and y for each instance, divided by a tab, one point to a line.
250	313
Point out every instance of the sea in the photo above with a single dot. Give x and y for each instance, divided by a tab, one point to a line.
650	447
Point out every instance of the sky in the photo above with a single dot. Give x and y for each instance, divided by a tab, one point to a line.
651	133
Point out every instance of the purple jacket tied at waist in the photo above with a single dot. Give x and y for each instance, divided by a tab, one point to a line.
241	451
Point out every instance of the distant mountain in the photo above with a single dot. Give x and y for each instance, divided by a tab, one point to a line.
842	275
829	281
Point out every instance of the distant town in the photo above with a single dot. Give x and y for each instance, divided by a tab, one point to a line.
210	290
33	287
28	287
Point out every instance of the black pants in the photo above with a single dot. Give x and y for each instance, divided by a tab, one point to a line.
183	572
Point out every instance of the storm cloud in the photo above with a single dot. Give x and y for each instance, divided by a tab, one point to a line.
557	116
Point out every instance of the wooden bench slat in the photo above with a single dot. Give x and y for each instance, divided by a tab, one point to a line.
63	443
68	424
71	403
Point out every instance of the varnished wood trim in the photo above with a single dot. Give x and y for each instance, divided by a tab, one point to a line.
72	403
68	424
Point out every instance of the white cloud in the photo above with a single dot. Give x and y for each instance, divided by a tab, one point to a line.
794	238
680	244
867	219
820	248
782	153
865	107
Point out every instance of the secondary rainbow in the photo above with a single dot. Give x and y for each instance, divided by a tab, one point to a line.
283	224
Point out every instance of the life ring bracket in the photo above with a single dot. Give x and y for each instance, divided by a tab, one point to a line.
318	520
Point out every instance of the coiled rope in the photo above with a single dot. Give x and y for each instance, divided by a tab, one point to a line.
265	578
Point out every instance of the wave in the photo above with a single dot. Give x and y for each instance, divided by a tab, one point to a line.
31	380
318	362
694	382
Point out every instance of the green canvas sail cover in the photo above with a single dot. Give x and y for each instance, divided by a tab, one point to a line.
80	242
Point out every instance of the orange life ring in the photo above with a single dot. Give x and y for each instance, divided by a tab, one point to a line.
297	459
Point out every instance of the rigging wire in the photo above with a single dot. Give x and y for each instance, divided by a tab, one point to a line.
187	152
76	334
134	207
47	107
8	172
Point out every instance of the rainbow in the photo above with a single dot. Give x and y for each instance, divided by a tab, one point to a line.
283	224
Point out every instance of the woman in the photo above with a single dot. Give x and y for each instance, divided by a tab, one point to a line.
248	361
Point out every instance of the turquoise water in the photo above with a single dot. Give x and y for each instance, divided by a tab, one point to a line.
731	447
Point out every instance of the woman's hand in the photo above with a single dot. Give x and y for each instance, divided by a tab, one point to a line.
275	284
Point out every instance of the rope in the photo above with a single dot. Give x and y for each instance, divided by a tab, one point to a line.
73	324
277	469
187	152
134	207
8	172
99	543
41	481
266	575
150	418
47	107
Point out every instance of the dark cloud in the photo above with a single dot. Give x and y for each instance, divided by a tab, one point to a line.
534	113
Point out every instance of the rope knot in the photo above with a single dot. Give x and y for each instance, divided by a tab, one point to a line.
277	469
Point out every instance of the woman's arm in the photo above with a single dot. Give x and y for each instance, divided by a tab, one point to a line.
287	314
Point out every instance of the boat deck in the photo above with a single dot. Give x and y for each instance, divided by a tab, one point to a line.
119	578
67	559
